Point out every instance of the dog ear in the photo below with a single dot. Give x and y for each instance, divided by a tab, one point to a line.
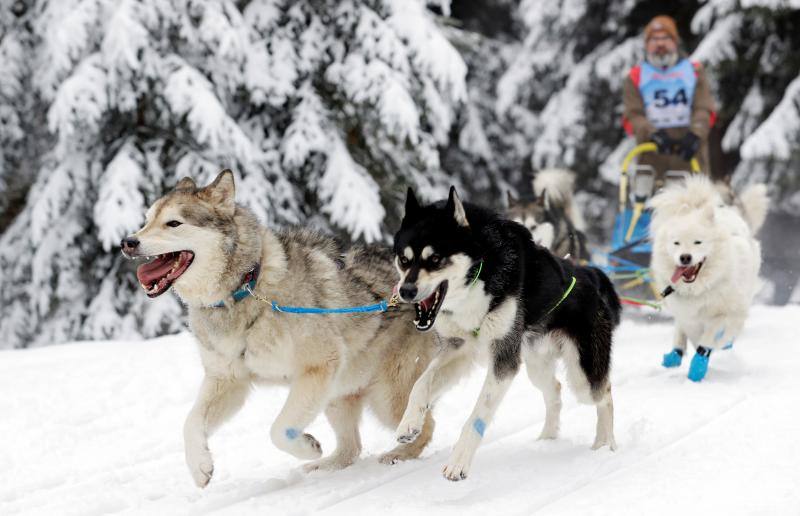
222	192
542	200
511	201
412	205
411	210
455	207
187	183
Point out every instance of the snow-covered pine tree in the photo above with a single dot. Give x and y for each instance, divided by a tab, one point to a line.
559	99
326	110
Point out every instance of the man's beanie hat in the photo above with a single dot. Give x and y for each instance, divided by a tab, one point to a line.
662	23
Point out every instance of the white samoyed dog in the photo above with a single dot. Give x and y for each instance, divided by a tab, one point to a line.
706	254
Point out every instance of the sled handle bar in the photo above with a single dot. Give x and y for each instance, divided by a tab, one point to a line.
626	164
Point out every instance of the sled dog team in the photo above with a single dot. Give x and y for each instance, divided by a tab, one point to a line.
483	283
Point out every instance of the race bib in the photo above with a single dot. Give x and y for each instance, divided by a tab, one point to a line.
668	94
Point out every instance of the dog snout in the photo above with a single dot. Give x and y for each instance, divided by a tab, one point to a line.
129	245
685	259
408	291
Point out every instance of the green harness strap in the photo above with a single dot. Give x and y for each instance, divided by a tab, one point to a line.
564	296
566	293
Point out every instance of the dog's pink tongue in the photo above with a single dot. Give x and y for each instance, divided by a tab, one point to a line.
678	273
154	270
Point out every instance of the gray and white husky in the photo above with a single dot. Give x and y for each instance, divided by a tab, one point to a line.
214	253
552	217
490	292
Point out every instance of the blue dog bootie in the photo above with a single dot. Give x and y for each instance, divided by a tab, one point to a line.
673	358
699	365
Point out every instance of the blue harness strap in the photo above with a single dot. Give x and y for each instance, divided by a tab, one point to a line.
377	307
249	284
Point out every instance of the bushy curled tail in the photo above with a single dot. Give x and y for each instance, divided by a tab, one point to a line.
755	204
556	186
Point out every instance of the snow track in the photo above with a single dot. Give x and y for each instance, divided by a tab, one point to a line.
95	428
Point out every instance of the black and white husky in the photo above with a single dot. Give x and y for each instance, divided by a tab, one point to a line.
489	290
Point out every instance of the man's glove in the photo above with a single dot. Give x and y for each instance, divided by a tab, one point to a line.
688	146
662	141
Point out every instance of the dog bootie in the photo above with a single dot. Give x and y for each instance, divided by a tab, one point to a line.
699	365
673	358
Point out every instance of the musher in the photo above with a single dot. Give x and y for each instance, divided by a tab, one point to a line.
667	101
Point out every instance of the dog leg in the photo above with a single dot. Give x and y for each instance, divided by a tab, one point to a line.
305	401
218	400
604	434
492	393
439	374
344	415
718	333
674	357
540	362
411	450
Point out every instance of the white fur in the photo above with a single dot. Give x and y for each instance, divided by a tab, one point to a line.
712	310
557	185
544	234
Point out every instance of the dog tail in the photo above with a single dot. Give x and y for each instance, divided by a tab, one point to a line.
557	185
755	204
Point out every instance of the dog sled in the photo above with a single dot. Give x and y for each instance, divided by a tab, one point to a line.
627	262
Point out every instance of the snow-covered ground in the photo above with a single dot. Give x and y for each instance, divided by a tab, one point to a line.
95	428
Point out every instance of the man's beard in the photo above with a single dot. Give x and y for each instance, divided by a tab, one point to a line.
666	60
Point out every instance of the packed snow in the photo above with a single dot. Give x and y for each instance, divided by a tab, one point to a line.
96	428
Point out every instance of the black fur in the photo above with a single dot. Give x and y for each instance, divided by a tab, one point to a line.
514	266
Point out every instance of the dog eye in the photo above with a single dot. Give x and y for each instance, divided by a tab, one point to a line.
676	243
435	259
697	242
403	260
174	223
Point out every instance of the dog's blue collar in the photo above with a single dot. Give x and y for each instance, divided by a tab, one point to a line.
246	288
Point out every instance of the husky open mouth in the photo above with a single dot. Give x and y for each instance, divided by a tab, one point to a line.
688	273
157	275
428	308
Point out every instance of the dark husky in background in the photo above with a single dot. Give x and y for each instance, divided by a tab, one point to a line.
551	215
489	290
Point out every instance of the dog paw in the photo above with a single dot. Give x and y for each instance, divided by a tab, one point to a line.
548	434
303	446
455	472
599	443
201	467
409	430
672	359
400	454
390	458
458	464
698	368
333	463
309	447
